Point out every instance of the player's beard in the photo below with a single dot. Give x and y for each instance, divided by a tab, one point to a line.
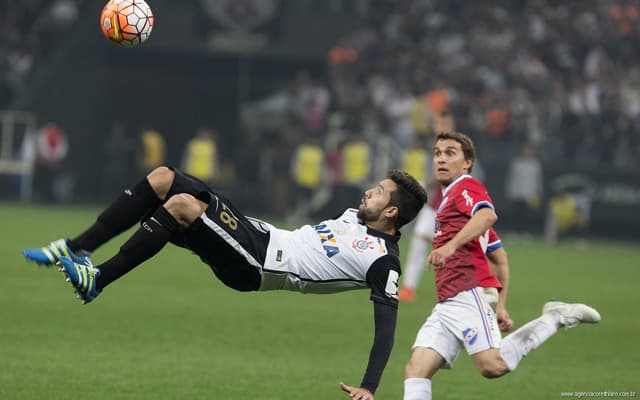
368	215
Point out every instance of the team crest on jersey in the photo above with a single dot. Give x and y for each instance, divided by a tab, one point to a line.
360	245
470	335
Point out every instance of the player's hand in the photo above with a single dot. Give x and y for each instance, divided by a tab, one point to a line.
439	255
505	323
357	393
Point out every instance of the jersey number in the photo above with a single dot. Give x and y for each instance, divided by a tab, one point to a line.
227	217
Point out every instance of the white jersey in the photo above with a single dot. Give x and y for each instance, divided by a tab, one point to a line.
336	255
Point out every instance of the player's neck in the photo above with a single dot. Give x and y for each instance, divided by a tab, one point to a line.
382	227
445	185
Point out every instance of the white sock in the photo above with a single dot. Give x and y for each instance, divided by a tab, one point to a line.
416	262
417	389
527	338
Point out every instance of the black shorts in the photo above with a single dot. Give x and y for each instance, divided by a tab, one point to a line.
234	246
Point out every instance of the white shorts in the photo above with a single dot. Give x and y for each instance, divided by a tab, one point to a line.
466	318
425	224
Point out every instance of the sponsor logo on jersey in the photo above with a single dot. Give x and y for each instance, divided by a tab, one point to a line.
470	335
391	290
360	245
327	239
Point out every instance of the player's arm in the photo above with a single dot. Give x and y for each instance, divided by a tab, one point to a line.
499	263
382	277
481	220
385	317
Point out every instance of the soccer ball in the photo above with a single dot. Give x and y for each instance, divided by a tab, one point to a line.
126	22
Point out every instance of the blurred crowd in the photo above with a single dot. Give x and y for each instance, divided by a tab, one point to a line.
535	83
562	76
27	30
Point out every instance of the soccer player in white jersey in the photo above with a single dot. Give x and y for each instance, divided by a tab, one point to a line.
357	250
464	314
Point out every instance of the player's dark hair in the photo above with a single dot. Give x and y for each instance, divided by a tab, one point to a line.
409	197
468	149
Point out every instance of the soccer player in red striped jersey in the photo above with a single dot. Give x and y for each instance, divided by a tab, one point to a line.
465	314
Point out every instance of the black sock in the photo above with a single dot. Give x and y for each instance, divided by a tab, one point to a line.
121	215
144	244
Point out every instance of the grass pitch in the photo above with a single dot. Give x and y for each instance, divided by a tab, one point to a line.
170	330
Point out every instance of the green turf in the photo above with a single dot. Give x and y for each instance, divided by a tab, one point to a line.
169	330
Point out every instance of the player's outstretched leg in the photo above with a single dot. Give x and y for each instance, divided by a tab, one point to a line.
148	240
128	208
555	315
82	277
570	315
51	254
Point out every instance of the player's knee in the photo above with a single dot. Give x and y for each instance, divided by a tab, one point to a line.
424	363
490	364
161	179
183	202
412	369
493	370
184	207
417	369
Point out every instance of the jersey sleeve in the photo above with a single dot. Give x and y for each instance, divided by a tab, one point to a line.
385	318
472	196
383	278
494	241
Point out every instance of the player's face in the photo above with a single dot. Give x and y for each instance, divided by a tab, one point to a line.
374	203
448	161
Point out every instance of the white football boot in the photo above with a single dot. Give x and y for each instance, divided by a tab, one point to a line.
571	315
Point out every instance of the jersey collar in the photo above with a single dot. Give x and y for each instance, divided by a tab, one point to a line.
390	238
458	179
373	232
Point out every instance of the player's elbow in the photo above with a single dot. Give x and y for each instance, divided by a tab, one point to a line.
487	216
492	217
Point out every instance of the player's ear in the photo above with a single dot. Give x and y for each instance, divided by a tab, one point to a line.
468	163
391	212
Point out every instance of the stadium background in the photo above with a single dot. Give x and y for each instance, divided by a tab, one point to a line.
161	327
244	69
